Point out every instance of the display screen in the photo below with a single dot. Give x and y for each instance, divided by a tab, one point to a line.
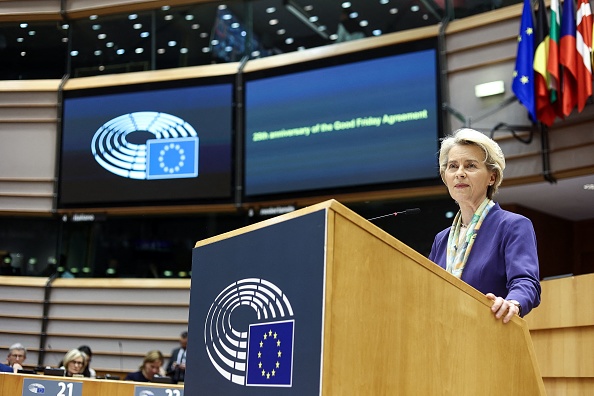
343	123
154	144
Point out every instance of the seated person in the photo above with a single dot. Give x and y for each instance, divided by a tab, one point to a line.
151	366
74	362
88	372
17	353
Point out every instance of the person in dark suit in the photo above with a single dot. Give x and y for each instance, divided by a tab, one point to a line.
176	368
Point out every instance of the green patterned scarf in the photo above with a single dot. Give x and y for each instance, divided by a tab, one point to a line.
457	255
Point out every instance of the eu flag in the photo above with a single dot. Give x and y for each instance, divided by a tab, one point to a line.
172	158
523	81
270	354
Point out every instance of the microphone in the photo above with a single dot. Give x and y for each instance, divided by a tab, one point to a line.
121	356
413	211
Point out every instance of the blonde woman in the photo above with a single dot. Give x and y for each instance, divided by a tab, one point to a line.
151	366
489	248
74	362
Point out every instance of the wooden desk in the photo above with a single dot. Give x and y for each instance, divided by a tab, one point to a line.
12	384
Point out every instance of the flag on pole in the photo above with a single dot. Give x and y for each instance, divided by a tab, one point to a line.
544	110
568	58
523	77
584	50
553	59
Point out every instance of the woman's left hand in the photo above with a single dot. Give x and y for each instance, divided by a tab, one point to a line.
503	308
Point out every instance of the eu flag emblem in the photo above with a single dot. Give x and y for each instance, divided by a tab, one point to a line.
172	158
270	354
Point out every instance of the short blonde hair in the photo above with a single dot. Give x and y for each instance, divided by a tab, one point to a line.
494	159
74	354
151	357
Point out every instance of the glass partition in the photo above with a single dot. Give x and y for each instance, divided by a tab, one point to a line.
207	32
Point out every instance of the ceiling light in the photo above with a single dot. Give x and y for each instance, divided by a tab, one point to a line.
137	26
101	36
203	35
333	36
589	186
384	1
20	40
415	8
65	26
183	50
313	18
255	54
353	15
93	17
73	53
161	51
393	11
235	25
165	8
308	7
132	17
195	26
489	89
171	43
189	17
96	27
97	52
363	23
214	43
289	40
226	17
205	49
120	51
24	25
346	4
222	7
270	10
273	22
109	44
144	34
168	17
280	32
23	53
139	50
64	39
32	33
377	32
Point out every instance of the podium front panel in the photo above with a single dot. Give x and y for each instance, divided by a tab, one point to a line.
256	309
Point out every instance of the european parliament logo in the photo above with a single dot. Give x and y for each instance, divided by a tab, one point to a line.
262	354
118	146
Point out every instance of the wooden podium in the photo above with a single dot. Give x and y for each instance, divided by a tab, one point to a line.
390	321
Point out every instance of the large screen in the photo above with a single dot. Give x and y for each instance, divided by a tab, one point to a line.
361	121
147	145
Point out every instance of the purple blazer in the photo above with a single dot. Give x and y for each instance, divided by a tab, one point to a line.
503	259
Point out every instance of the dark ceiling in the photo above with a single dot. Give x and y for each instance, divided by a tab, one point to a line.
170	37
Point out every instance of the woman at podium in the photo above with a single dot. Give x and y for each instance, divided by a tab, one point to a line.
491	249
